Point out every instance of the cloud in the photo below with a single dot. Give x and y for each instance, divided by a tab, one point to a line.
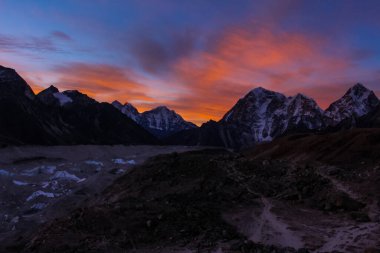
242	59
31	43
155	55
61	36
102	81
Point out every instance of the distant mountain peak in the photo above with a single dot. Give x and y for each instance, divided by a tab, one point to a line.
358	90
128	109
356	102
302	96
79	97
52	96
8	74
160	121
260	91
51	89
12	84
359	86
162	108
117	104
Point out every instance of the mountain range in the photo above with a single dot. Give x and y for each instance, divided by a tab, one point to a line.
70	117
60	118
263	115
161	121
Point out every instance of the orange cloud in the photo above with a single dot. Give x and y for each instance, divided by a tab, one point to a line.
101	81
242	60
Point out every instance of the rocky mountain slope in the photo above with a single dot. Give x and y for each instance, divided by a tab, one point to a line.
54	117
70	117
129	110
160	121
206	135
264	115
356	102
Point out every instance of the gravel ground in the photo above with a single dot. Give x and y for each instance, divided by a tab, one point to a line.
41	183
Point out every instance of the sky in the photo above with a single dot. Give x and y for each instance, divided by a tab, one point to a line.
197	57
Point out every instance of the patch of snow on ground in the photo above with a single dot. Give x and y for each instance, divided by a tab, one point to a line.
119	171
6	173
39	206
98	164
93	162
64	175
81	180
132	162
44	184
20	183
119	161
44	169
40	193
122	161
15	219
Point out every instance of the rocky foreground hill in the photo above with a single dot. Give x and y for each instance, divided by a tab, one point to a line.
270	199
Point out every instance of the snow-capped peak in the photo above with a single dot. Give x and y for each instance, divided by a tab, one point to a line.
128	109
356	102
161	121
258	90
51	96
263	115
262	92
301	101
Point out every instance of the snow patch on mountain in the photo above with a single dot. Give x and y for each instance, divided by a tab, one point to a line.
62	98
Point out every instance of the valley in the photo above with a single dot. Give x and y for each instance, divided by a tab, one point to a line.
275	174
203	200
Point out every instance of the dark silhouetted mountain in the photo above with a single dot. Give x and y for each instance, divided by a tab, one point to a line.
54	117
206	135
161	121
22	118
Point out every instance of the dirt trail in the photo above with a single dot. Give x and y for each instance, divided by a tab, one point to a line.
338	185
271	230
352	238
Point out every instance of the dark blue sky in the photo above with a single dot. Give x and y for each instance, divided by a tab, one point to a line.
198	57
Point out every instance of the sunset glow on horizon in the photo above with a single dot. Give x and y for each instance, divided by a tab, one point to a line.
195	57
